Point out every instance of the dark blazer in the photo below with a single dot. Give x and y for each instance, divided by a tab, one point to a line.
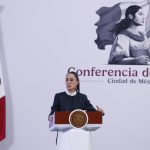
64	102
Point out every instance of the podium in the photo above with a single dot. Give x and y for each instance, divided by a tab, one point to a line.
75	138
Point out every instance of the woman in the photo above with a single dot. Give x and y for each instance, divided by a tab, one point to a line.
71	99
131	46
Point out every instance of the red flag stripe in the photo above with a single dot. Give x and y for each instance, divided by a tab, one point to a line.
2	118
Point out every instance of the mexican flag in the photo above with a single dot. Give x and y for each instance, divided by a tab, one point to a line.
2	108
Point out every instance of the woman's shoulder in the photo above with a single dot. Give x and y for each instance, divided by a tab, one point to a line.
60	94
82	94
123	35
122	39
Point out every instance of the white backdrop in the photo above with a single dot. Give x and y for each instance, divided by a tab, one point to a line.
40	40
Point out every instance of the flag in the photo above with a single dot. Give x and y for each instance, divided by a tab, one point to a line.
2	108
109	17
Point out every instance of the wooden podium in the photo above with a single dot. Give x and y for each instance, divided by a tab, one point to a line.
73	138
60	121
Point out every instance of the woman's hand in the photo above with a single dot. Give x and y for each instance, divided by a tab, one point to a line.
100	109
142	60
50	118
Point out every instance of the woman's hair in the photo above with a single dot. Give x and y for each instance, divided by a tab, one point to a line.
77	78
125	23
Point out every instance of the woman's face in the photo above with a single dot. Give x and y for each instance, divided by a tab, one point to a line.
71	82
139	17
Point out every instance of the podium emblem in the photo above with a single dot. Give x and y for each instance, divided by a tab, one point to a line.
78	118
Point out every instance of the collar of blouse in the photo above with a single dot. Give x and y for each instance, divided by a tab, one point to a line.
71	93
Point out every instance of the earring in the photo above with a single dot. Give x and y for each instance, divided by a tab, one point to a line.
130	16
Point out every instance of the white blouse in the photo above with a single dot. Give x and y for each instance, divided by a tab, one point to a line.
127	45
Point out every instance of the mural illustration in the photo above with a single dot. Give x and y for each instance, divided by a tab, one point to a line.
125	26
